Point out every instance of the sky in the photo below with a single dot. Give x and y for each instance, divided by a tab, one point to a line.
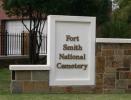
114	5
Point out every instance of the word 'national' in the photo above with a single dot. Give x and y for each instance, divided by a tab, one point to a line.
71	56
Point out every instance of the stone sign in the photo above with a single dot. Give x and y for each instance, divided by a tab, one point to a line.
72	50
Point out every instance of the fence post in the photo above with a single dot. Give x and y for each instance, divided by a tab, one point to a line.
8	44
22	43
5	42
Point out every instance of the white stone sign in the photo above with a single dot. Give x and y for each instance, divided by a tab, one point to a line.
72	50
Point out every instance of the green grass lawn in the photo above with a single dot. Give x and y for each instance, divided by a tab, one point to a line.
65	97
4	81
6	95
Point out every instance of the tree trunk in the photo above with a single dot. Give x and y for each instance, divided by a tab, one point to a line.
32	48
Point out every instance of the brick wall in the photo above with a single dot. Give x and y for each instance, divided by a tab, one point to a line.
113	74
113	63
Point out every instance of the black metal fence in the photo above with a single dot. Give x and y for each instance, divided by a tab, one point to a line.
18	44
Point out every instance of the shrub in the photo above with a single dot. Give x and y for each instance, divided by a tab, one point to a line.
116	29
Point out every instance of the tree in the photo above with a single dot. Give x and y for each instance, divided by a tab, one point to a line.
119	26
99	8
37	10
124	10
116	29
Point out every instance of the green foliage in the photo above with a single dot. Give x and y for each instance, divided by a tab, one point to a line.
98	8
124	10
104	11
119	26
116	29
21	7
